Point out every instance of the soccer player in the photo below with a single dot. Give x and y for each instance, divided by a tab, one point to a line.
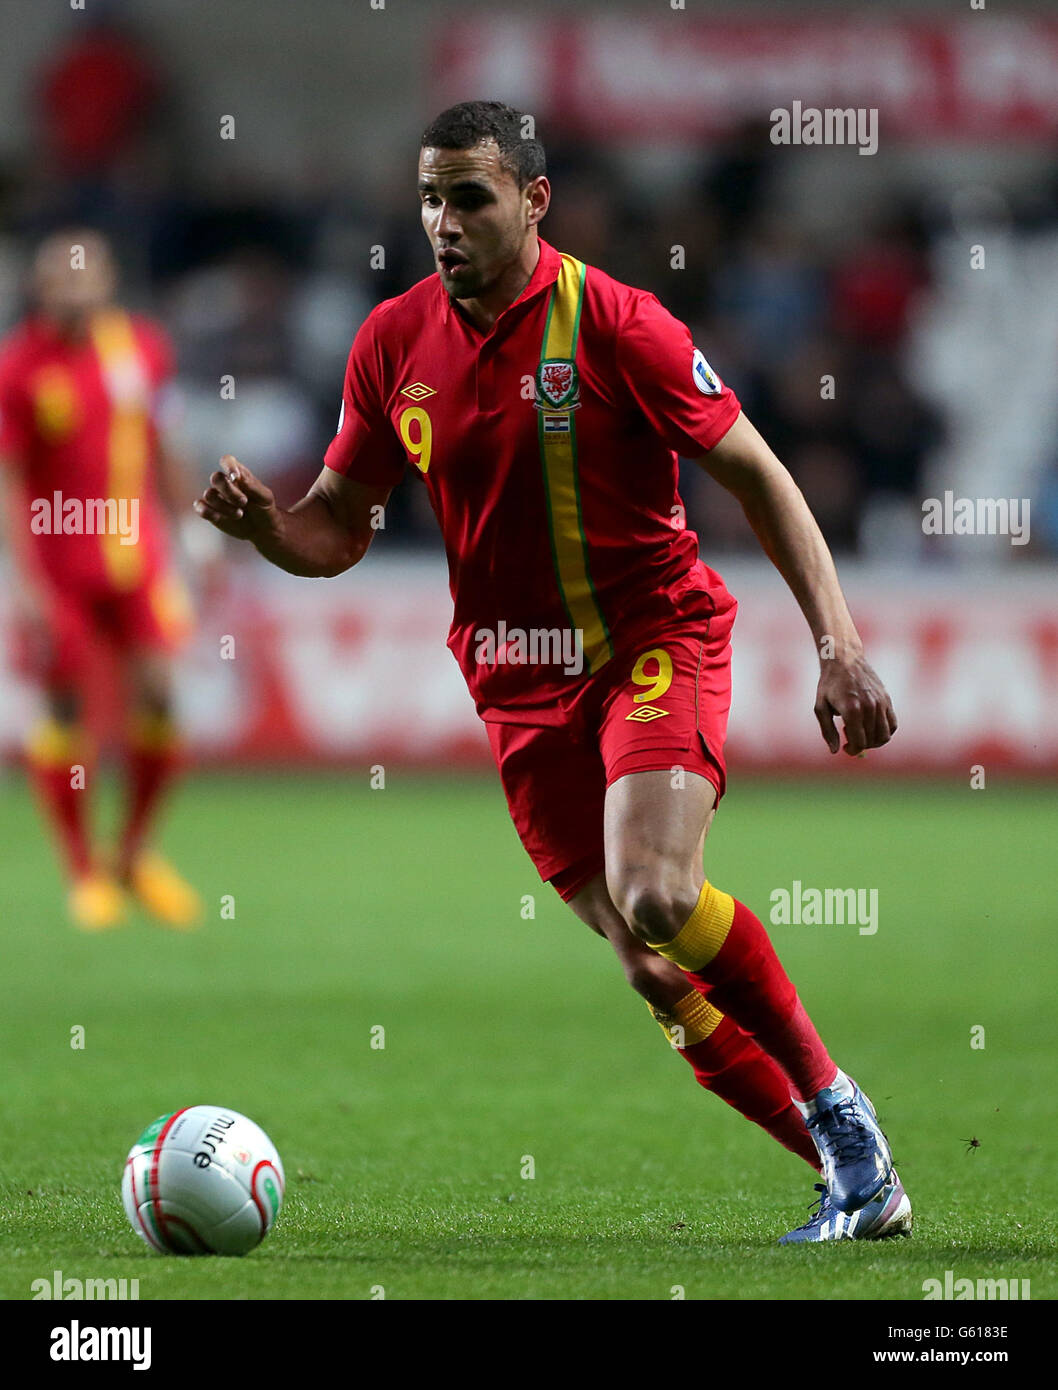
545	405
85	468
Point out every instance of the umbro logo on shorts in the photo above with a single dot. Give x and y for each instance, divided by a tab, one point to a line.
645	713
418	391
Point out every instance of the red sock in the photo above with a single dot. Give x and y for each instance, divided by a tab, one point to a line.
54	751
731	1065
745	980
727	1061
153	760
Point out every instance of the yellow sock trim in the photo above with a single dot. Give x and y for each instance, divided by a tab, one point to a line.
51	744
704	932
694	1015
152	732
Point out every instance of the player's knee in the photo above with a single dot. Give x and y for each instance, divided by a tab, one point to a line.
155	703
655	906
64	705
152	689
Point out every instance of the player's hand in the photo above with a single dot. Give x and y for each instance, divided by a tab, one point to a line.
237	503
851	690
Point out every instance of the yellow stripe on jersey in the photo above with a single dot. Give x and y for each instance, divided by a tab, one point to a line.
558	453
129	442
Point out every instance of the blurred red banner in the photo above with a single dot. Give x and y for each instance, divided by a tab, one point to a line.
355	672
678	76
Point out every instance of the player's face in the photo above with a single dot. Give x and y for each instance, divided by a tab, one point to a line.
70	286
476	216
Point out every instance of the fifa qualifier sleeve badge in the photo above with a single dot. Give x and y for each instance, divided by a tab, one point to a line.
705	378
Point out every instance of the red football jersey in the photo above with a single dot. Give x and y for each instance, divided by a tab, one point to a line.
78	421
548	446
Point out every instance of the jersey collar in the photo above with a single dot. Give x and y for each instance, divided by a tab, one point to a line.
545	274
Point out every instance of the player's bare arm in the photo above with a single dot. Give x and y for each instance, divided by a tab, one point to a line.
321	536
176	487
14	511
848	687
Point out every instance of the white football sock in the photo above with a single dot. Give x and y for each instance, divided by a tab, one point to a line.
841	1086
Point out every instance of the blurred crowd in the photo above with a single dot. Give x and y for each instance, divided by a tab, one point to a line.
268	286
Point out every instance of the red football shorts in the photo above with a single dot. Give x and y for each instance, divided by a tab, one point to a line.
154	616
663	710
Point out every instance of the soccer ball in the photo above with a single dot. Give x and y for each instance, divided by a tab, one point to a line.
202	1181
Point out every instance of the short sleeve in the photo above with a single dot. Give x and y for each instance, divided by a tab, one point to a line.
163	354
166	396
365	449
16	423
670	381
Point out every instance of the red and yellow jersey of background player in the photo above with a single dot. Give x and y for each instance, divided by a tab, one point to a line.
549	450
78	419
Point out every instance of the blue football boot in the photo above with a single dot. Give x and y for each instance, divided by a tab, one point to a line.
852	1149
887	1214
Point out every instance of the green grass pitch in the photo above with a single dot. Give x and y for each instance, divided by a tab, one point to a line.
508	1038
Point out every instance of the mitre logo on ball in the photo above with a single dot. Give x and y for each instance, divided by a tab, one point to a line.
557	385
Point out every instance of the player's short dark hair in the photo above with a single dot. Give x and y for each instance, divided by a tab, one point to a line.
471	122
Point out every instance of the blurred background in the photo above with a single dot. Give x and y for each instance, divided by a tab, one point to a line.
262	253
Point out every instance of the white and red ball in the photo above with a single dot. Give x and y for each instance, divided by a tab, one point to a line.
203	1181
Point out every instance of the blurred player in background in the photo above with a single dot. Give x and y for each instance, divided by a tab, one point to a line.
86	477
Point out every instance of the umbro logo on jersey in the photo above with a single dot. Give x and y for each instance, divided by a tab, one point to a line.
645	713
705	378
417	391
